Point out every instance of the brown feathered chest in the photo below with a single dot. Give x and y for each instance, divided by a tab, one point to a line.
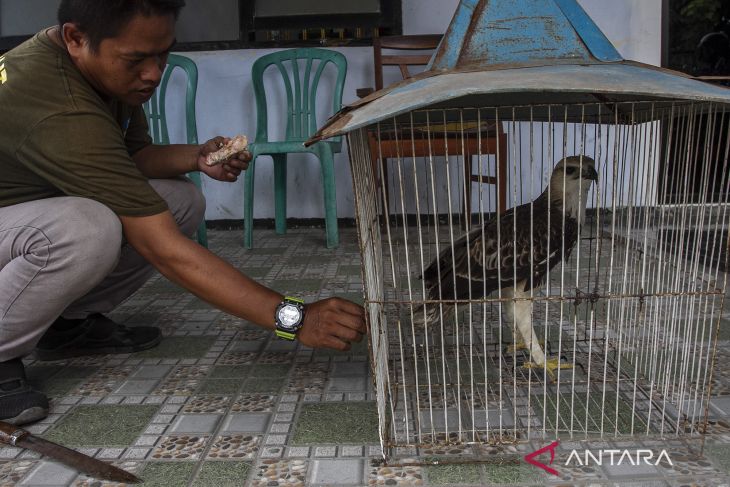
523	244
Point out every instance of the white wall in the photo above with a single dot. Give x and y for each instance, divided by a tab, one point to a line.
633	26
225	103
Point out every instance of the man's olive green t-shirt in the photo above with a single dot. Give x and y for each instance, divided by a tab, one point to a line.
58	137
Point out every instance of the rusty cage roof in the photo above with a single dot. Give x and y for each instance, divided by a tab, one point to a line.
525	53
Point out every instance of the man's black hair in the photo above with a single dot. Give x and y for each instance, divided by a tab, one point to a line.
103	19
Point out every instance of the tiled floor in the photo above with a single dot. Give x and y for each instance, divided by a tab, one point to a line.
220	402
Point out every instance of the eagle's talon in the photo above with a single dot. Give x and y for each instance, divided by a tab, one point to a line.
551	365
516	347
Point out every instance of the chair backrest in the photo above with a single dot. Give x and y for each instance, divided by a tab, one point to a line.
301	71
155	107
423	42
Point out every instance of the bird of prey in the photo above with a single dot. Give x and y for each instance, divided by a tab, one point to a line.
514	251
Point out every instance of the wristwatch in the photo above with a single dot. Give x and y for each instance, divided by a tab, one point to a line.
289	317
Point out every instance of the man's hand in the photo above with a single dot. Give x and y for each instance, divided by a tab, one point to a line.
228	170
332	323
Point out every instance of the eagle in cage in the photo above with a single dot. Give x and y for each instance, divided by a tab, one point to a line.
509	252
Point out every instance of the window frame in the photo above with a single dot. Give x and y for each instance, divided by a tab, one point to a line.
388	21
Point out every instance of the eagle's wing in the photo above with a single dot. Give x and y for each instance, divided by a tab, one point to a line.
471	266
554	245
479	262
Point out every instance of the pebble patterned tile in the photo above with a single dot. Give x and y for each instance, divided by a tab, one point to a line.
716	429
276	358
689	464
103	382
721	377
12	472
238	446
440	450
398	476
180	447
281	473
190	372
254	403
705	482
308	378
207	404
182	387
237	358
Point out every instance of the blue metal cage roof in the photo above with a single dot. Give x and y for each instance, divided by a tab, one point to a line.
492	32
507	53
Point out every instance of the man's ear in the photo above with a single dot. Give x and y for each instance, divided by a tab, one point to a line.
74	38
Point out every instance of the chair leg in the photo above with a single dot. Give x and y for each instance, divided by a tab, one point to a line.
280	192
248	205
201	233
327	162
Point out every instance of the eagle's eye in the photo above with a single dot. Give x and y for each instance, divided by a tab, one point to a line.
569	170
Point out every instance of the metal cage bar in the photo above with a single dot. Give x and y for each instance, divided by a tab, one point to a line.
622	279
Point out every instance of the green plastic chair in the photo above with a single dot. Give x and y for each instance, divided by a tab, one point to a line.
301	70
157	120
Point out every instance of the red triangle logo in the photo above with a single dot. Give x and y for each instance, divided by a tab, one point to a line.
551	447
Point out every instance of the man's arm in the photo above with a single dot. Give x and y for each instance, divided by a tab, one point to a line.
333	323
167	161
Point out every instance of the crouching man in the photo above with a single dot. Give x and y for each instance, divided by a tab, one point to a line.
89	207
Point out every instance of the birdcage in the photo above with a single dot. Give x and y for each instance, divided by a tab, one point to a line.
577	295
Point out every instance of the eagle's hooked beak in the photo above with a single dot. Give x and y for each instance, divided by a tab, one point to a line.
590	173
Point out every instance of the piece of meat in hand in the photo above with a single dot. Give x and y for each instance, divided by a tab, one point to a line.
234	146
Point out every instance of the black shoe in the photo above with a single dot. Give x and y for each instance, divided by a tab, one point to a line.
94	335
19	403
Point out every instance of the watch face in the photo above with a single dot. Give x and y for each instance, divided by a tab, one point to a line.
289	316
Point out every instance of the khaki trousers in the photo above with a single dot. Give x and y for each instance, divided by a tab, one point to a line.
67	256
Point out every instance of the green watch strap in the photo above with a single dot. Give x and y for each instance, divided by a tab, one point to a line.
285	335
296	300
